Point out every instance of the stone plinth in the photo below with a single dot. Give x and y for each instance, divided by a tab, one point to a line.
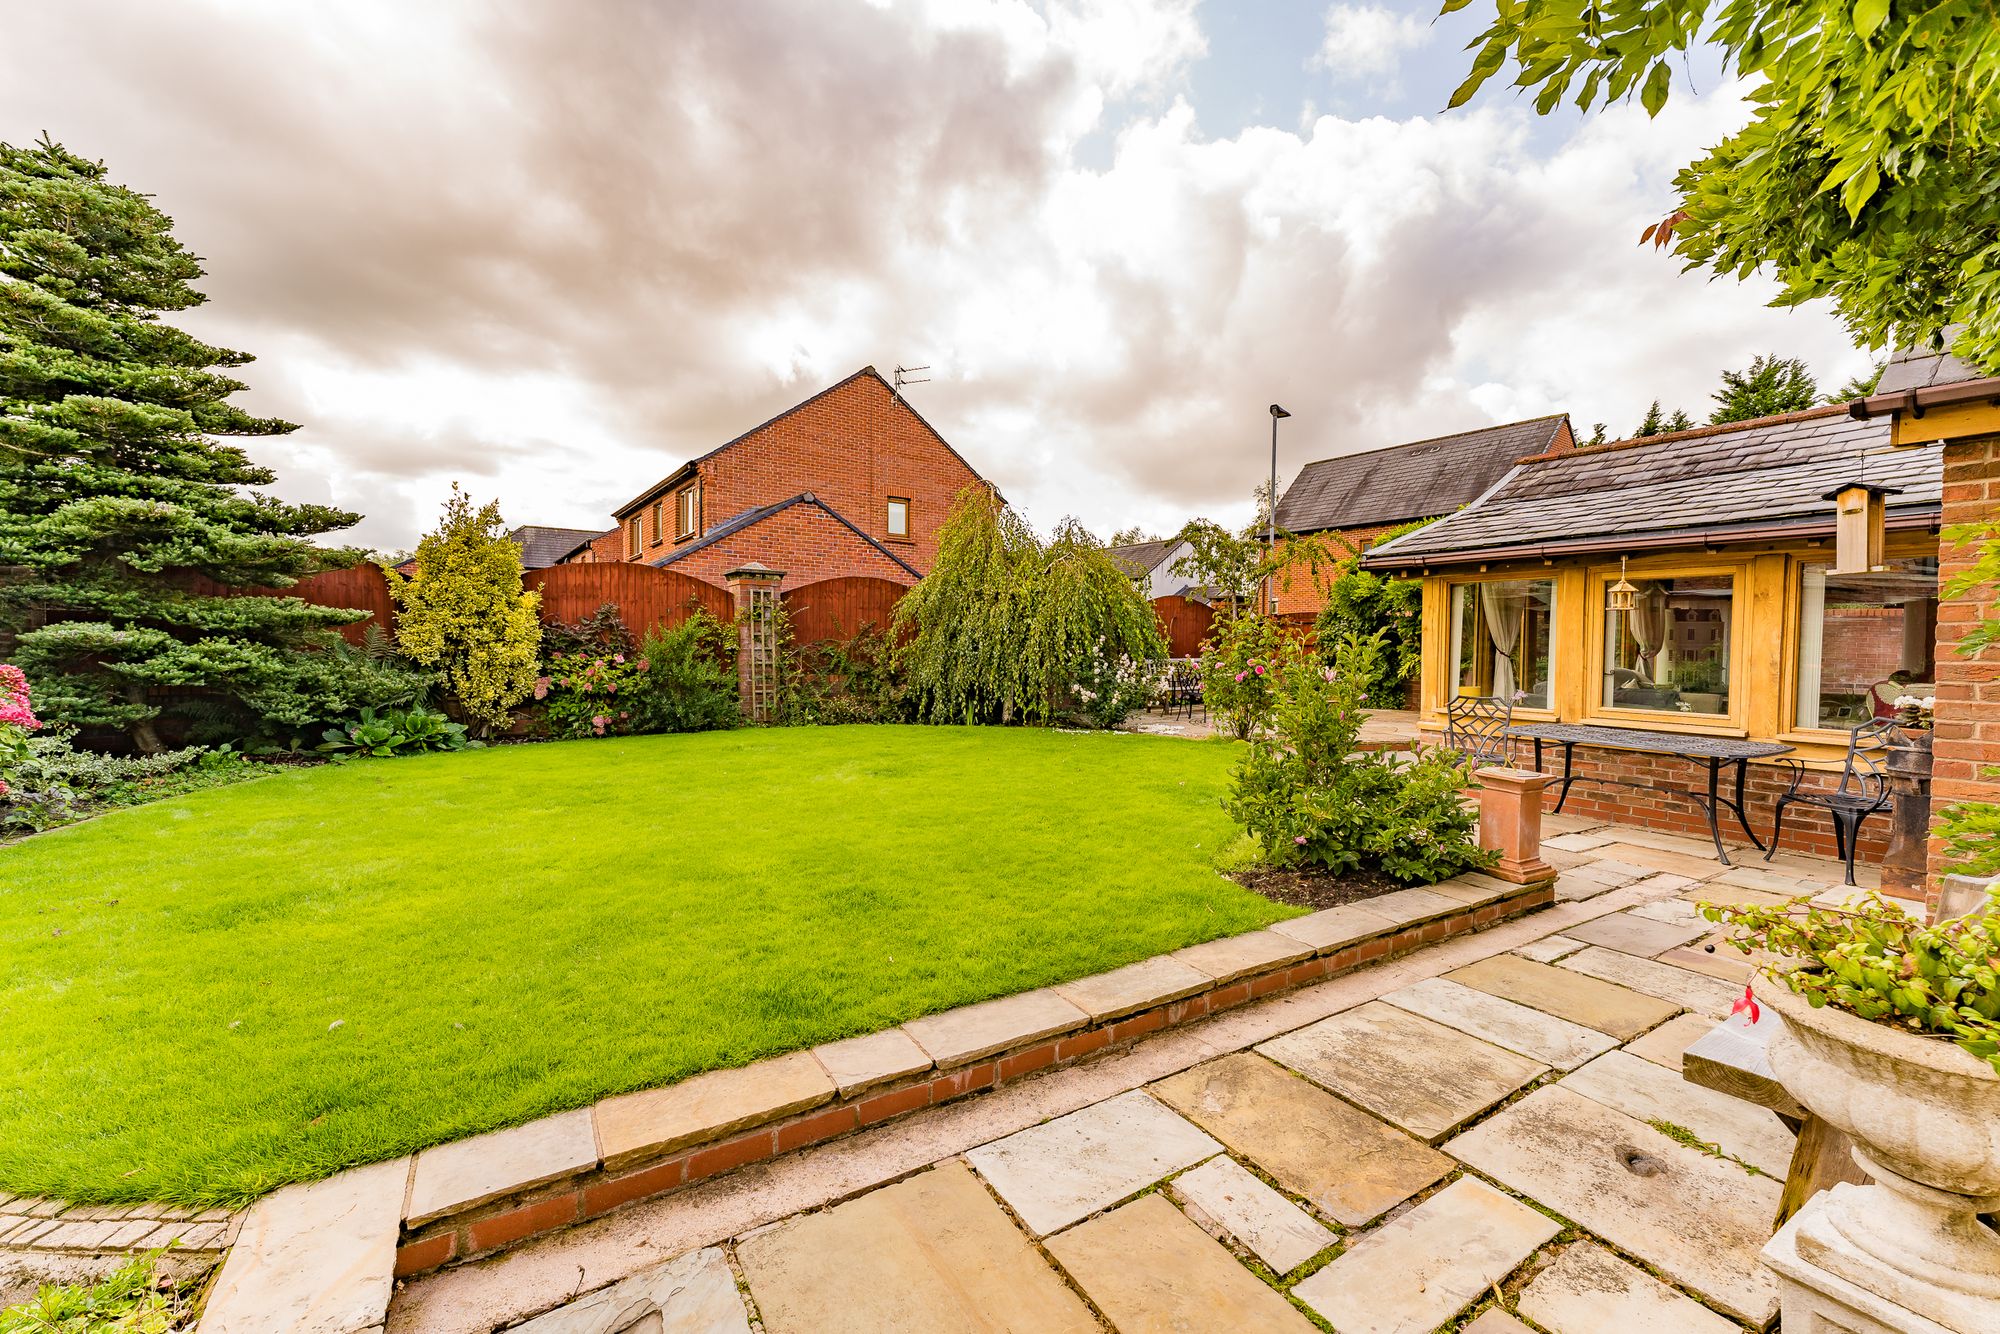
1510	823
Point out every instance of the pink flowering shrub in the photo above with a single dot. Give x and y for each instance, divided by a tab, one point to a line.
1310	797
590	694
17	720
1239	663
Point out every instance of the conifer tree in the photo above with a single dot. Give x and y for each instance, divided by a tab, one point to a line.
123	510
1769	386
1655	422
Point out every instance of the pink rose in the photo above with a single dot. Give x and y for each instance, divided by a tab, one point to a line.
1241	675
618	658
1299	839
542	687
1260	669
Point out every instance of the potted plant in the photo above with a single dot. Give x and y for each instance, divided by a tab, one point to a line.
1891	1032
1915	717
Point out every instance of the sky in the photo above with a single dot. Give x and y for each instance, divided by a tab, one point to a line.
551	251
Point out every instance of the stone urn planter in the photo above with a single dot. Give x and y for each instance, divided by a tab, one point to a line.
1925	1119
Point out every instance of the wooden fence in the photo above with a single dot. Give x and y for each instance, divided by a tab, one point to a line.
647	598
1185	623
838	608
361	588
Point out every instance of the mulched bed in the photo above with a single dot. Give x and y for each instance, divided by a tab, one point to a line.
1312	888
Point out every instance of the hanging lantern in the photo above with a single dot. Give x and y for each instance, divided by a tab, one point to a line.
1621	594
1860	523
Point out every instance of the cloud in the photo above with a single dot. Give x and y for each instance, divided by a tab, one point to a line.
553	252
1366	43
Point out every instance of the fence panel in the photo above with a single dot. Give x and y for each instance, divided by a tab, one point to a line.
1184	622
647	597
837	608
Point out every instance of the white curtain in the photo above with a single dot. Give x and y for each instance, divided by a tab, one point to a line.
1504	605
1649	627
1812	640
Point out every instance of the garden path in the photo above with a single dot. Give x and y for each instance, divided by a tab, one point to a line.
1489	1128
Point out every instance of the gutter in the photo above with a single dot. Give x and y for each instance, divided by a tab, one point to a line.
1591	546
1914	402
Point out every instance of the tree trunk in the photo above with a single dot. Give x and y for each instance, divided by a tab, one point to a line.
141	730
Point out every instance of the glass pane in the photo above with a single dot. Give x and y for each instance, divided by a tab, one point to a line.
1671	651
1864	639
1500	639
899	518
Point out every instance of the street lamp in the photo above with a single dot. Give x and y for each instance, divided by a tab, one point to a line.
1271	503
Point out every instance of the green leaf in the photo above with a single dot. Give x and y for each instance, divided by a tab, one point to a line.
1658	83
1869	15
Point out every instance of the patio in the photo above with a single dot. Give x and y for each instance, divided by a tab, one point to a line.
1489	1126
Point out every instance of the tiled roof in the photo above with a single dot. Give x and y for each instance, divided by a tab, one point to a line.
1667	489
1412	481
1142	558
1920	368
736	523
543	547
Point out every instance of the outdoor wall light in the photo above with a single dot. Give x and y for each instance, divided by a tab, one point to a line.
1621	594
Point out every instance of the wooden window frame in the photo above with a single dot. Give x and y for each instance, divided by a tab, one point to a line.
1741	616
1900	546
687	512
656	517
888	519
633	537
1448	668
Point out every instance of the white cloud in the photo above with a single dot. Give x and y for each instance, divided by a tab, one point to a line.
1367	42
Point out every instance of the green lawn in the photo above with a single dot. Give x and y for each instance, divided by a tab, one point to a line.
210	996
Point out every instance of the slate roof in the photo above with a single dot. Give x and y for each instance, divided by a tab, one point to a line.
1412	481
736	523
1142	558
542	547
1714	483
1920	368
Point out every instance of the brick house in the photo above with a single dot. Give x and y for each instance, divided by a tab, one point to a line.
853	481
1361	496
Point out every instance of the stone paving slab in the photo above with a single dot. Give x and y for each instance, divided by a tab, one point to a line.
1690	845
1664	1045
1782	886
1411	1072
858	1064
1406	907
1232	957
317	1258
1135	987
1588	1290
457	1176
1548	949
635	1126
1722	961
1335	928
1422	1268
1639	1088
961	1036
1693	991
1495	1321
1630	934
690	1294
1067	1169
1660	859
931	1253
1676	911
1566	994
1699	1220
1251	1214
1152	1271
1350	1166
1518	1028
1608	872
1576	842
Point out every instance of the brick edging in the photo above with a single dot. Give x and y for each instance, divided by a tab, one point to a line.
512	1219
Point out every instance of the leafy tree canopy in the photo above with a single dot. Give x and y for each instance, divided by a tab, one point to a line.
127	517
1769	386
1865	174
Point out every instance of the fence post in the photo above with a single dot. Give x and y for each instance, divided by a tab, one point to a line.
754	586
1510	821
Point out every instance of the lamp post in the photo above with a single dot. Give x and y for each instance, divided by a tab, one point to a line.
1271	499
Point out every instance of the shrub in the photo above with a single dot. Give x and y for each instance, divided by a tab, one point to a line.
590	693
1238	666
386	732
1359	602
17	721
1876	961
1309	797
689	683
49	782
603	632
1111	689
464	612
852	680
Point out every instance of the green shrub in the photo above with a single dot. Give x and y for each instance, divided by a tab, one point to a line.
1878	962
1358	602
590	692
379	734
1310	798
689	683
1239	662
1110	689
852	680
49	782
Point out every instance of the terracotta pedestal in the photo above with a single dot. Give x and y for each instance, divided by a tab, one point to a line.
1510	822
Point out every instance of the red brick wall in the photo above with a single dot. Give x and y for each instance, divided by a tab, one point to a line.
1968	691
1806	827
1294	587
853	447
804	541
1862	646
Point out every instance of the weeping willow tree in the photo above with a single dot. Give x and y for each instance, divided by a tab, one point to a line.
1003	626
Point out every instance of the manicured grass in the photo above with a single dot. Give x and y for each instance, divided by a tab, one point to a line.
208	997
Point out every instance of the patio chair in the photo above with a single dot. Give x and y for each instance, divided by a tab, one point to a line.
1476	727
1862	791
1187	690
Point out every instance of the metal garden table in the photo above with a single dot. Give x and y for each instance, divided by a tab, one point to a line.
1712	751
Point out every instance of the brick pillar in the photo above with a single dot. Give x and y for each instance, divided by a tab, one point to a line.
1510	822
755	588
1966	746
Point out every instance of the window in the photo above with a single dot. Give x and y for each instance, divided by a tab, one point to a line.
1500	633
1864	639
659	521
899	517
1671	651
632	543
687	512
